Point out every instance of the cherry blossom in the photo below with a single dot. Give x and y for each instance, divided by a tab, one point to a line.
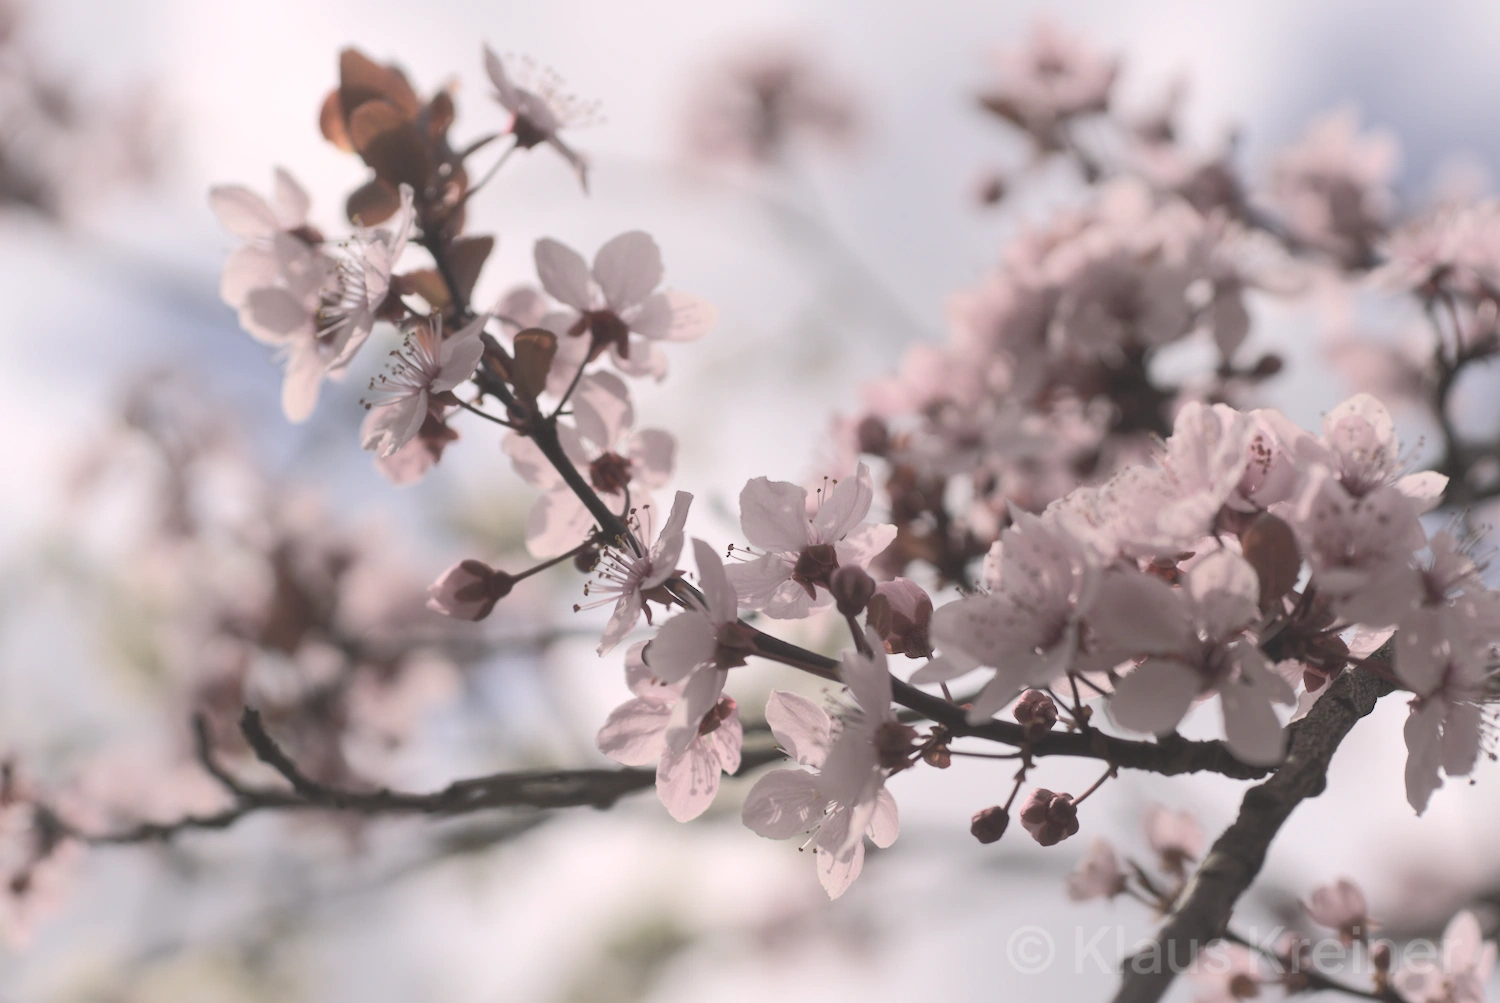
1340	906
1047	80
1097	875
1468	959
630	580
1194	644
425	364
255	220
789	578
617	305
538	112
1174	836
698	647
841	797
1228	973
1442	655
635	734
1028	629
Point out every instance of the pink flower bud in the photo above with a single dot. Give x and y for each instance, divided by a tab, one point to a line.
852	588
1036	713
989	824
901	612
468	590
1050	818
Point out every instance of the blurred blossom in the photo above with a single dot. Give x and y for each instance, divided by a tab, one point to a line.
757	104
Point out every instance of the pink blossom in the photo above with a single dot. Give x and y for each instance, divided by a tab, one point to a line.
635	734
789	579
1468	959
426	364
1048	79
468	590
617	306
1174	836
1194	644
1340	906
629	580
1442	654
1228	973
698	647
258	222
901	613
1029	628
538	111
1097	875
841	797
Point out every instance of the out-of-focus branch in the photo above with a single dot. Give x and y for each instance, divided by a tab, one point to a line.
537	789
1201	914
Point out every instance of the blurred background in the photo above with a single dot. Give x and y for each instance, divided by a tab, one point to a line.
123	369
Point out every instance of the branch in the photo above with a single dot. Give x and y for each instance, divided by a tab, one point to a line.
1203	909
598	788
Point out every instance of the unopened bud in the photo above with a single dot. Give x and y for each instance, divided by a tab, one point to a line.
469	590
1036	713
989	824
1268	365
585	560
1380	956
1050	818
852	588
901	612
938	756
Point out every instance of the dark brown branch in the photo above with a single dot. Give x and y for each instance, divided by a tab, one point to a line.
1202	911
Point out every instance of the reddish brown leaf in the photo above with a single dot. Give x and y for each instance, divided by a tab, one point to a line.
331	121
362	79
535	348
372	203
1271	548
466	256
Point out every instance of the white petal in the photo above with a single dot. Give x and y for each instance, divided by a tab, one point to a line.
1461	739
1424	753
723	603
869	679
564	273
273	315
668	546
1154	697
627	269
389	427
1251	729
885	824
602	409
844	507
773	514
1226	591
684	642
758	581
634	732
622	621
783	803
699	694
300	383
687	782
1139	614
801	727
292	201
653	456
835	872
530	463
248	267
864	543
243	213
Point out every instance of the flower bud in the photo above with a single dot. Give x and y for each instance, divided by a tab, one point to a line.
852	588
1036	713
1268	365
938	756
901	613
468	590
989	824
1050	818
1380	956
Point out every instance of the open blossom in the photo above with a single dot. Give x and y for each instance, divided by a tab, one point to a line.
424	365
321	307
617	460
1047	80
635	734
789	579
538	112
1468	959
1442	654
841	798
616	305
1175	837
1340	906
696	649
1028	628
258	222
631	580
1194	644
1097	875
1229	973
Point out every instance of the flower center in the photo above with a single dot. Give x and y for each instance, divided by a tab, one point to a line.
610	473
814	566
